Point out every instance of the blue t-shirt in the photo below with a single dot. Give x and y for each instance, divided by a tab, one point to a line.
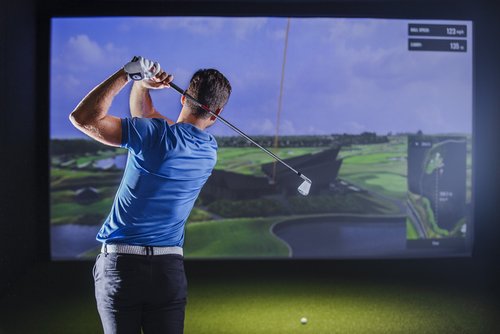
166	168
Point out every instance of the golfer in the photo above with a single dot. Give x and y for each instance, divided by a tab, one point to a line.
139	276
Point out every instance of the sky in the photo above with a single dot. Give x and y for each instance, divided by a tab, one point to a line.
341	75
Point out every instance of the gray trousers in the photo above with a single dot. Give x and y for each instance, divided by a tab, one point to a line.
135	292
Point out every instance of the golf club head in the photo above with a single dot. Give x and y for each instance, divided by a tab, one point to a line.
305	186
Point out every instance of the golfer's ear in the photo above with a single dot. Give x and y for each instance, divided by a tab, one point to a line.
183	99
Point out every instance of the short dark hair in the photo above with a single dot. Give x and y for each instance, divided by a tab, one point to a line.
211	88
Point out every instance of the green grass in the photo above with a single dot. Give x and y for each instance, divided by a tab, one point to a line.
388	184
70	212
244	237
424	209
62	196
396	147
57	174
197	215
263	305
64	179
64	208
391	184
376	157
100	155
375	205
248	160
380	167
411	232
358	203
341	307
251	237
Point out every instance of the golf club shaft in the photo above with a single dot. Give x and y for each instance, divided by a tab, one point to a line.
241	133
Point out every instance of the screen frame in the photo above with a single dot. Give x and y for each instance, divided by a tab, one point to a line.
328	9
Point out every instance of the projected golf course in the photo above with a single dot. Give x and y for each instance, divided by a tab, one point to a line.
349	130
371	182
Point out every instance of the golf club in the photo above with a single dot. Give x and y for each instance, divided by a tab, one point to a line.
303	188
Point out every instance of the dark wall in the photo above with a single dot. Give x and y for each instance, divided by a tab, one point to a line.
23	129
18	141
487	134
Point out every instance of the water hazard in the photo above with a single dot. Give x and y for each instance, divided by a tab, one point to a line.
344	237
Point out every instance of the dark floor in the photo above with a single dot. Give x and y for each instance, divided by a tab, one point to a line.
62	292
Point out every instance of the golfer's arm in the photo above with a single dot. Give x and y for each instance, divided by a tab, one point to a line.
91	115
141	104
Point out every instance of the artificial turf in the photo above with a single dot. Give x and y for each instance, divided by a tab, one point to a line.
58	298
333	306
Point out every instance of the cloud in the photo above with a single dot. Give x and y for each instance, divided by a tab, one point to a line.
374	83
81	53
354	127
341	75
194	25
265	126
78	65
257	77
349	29
239	28
181	75
69	83
85	49
277	34
243	27
312	130
262	126
287	127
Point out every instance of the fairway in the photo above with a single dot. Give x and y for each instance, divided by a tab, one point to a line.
380	168
233	238
248	160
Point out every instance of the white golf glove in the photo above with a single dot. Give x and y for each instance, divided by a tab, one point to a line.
140	68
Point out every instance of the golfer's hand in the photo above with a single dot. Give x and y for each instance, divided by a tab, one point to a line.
159	81
140	68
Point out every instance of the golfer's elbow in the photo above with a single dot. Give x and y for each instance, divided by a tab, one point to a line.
76	119
73	119
80	118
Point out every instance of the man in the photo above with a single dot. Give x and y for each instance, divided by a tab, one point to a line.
139	275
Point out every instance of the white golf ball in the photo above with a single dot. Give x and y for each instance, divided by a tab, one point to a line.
303	320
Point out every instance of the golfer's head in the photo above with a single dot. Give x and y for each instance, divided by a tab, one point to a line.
211	88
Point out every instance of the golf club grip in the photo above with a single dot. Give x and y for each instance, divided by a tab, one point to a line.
234	128
177	88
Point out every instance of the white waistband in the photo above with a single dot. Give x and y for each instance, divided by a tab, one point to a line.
141	250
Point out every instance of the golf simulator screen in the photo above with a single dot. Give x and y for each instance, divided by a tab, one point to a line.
377	113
